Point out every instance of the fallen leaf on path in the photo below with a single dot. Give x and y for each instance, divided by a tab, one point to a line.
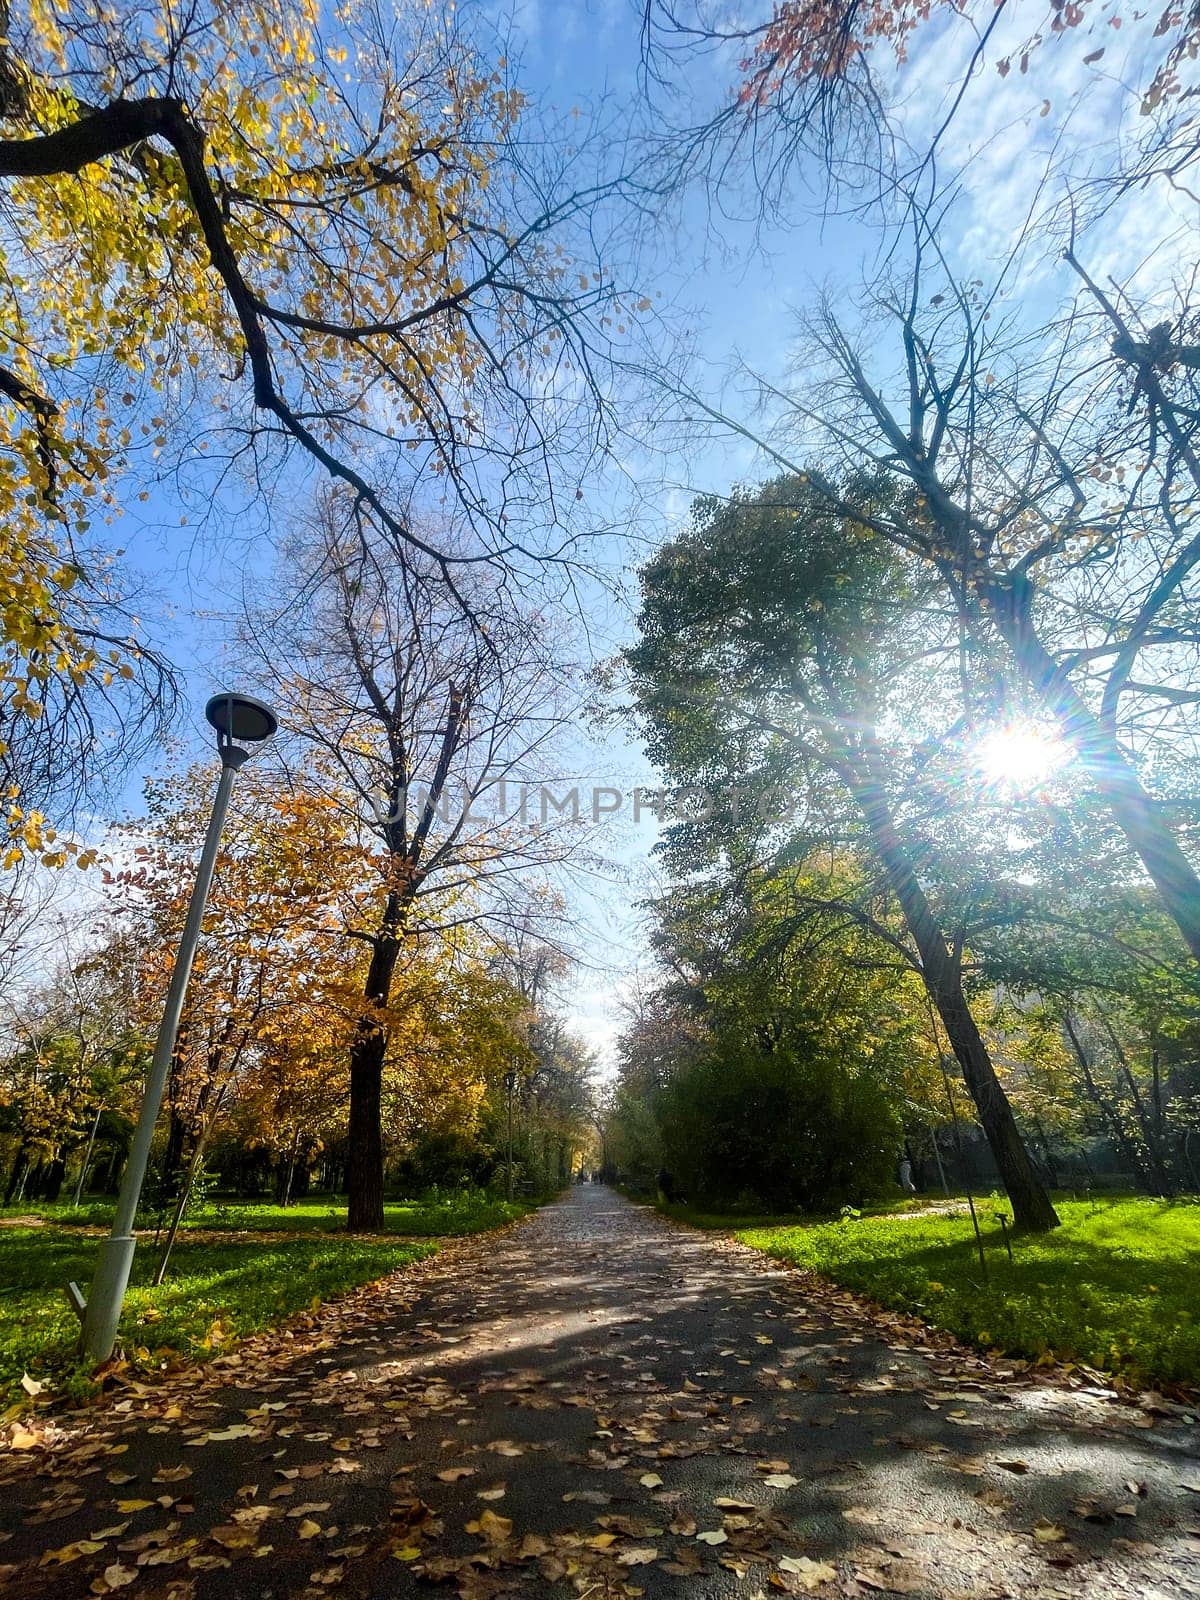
70	1552
115	1532
239	1430
493	1528
812	1574
863	1515
232	1536
169	1554
639	1556
249	1516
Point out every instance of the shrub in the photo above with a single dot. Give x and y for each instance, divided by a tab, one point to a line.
776	1129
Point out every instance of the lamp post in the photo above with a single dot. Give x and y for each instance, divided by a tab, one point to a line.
238	720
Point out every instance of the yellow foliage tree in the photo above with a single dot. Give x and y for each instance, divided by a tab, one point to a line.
302	233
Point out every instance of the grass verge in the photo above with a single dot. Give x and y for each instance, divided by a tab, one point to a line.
1114	1287
457	1212
215	1294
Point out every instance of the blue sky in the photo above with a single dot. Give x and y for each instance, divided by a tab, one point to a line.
736	290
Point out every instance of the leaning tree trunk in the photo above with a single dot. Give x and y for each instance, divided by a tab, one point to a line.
364	1157
1031	1203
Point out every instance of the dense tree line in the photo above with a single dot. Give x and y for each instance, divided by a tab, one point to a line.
847	857
259	1097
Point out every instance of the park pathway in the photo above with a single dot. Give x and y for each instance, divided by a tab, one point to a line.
598	1403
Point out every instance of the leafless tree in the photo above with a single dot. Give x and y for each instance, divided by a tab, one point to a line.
433	729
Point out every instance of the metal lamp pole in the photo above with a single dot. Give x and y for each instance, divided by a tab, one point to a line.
234	717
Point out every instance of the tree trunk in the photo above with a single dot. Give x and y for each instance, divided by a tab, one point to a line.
52	1179
171	1174
364	1159
1160	1181
285	1191
17	1176
87	1155
171	1171
185	1188
1031	1203
1189	1165
1109	1116
1047	1153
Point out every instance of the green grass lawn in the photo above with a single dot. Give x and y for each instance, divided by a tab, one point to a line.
458	1211
1117	1286
214	1294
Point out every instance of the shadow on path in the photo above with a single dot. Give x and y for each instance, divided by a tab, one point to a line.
597	1403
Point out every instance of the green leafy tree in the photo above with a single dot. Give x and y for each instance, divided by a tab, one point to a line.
777	639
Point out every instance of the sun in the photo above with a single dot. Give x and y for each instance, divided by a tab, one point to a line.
1019	757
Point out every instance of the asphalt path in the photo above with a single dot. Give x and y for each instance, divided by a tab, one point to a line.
599	1403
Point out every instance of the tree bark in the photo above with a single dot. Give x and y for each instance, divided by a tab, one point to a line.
285	1188
1189	1165
364	1157
1033	1210
20	1167
1160	1180
1047	1152
1110	1117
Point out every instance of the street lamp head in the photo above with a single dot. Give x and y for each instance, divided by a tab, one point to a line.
240	719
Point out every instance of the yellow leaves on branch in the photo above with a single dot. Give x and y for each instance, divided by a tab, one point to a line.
349	154
343	187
